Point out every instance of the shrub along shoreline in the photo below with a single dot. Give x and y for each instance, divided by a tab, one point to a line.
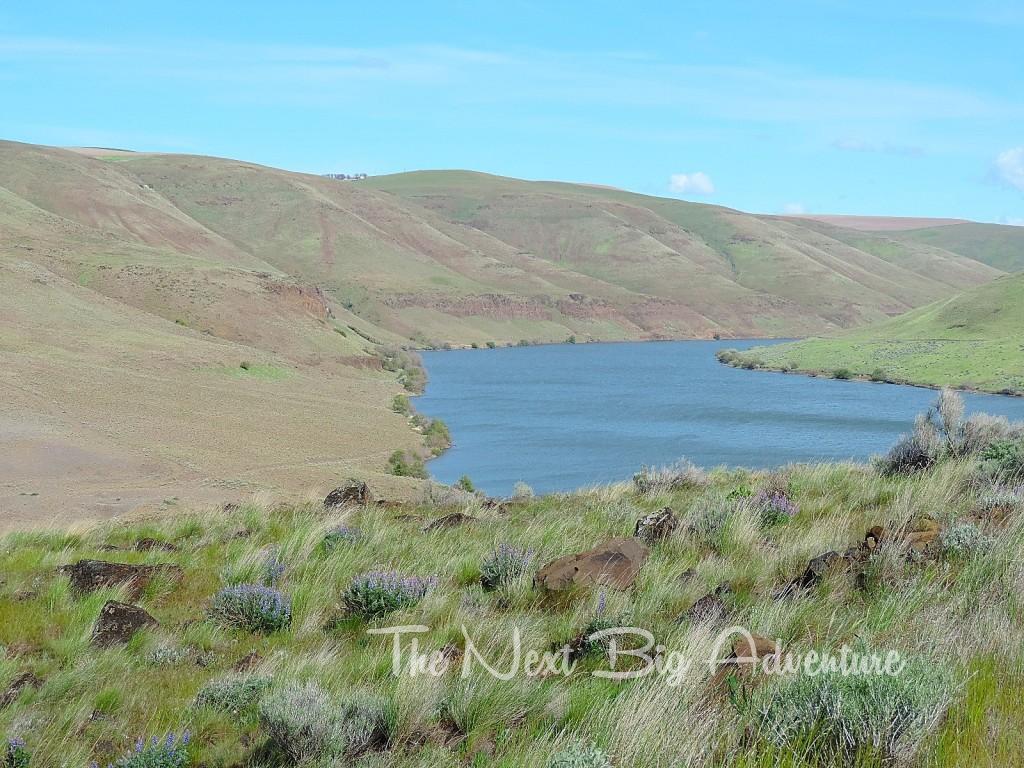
256	651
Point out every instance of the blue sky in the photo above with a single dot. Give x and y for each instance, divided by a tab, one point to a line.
842	107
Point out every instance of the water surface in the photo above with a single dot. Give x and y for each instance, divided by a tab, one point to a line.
561	417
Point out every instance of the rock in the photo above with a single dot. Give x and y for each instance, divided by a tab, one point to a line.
449	521
817	569
747	650
90	575
921	537
118	622
711	608
147	545
656	526
18	684
353	492
873	538
753	647
615	563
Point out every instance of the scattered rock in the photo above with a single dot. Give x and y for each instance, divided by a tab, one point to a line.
24	595
615	563
18	684
747	650
656	526
450	521
353	492
710	609
687	576
817	569
147	545
229	507
90	575
117	623
921	537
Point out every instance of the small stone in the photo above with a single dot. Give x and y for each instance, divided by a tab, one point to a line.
656	526
711	608
118	622
450	521
353	492
20	683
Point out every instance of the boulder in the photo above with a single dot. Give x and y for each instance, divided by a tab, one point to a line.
449	521
90	575
353	492
118	622
18	684
248	662
656	526
614	563
710	609
921	537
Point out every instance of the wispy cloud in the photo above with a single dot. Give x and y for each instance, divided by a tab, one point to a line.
696	183
883	147
794	209
1009	167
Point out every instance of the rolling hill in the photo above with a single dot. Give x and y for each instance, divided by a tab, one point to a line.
974	340
137	285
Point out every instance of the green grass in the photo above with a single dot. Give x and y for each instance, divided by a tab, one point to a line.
950	614
971	341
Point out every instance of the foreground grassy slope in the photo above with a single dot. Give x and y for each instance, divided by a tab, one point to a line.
953	617
975	340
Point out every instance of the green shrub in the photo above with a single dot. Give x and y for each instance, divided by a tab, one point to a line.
842	373
405	464
491	345
579	756
378	593
400	404
254	607
879	375
308	725
1003	460
522	491
674	477
236	694
465	484
504	564
836	717
963	540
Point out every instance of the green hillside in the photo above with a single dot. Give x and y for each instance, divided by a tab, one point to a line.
975	340
245	313
999	246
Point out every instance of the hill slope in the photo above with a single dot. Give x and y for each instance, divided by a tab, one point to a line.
138	284
975	340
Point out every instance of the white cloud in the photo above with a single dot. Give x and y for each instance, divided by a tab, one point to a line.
1013	221
794	209
696	183
1009	166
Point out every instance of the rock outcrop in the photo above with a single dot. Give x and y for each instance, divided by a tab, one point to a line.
118	622
614	563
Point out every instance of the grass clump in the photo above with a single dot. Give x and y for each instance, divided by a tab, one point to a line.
579	756
253	607
311	727
674	477
235	694
504	565
843	718
378	593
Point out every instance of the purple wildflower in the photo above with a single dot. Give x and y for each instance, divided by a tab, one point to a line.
376	593
342	534
505	564
169	751
273	569
774	507
255	607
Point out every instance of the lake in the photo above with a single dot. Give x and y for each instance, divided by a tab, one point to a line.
564	416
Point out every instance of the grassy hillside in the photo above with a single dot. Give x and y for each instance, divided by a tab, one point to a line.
975	340
996	245
139	284
948	601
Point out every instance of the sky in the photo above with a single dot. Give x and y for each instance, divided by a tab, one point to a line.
895	108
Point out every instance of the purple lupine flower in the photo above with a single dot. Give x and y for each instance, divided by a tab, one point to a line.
774	507
602	601
505	564
342	534
255	607
273	568
376	593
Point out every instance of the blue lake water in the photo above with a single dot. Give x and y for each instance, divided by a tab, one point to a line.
565	416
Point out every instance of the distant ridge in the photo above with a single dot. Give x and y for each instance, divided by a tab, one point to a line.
877	223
